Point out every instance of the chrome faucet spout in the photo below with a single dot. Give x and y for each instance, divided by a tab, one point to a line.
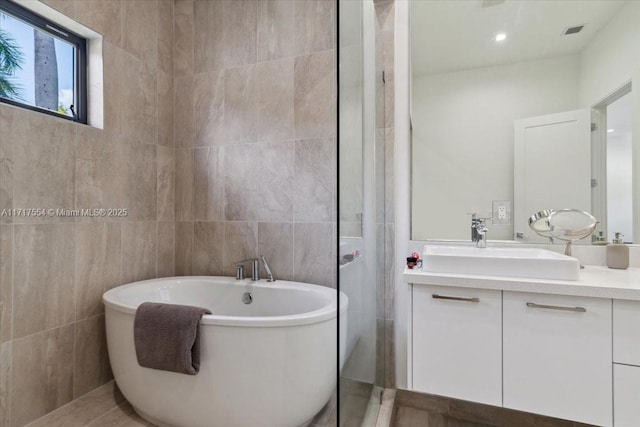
479	231
255	269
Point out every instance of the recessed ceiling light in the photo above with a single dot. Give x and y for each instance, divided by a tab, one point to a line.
500	37
611	130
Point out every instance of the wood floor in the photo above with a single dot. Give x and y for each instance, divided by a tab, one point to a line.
424	410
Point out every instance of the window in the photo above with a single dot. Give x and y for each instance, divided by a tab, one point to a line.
42	65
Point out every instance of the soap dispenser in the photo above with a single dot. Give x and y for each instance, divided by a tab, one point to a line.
618	253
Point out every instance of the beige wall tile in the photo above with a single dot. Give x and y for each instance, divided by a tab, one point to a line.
389	270
184	121
208	248
165	36
239	32
6	282
208	95
141	30
184	184
114	85
6	162
165	109
84	410
209	200
240	242
166	249
240	191
240	105
103	16
183	43
389	355
64	6
184	248
91	362
43	149
97	268
275	100
42	377
98	165
166	184
208	41
275	242
315	95
276	34
314	180
315	22
6	350
44	267
380	270
275	181
139	102
140	181
139	251
314	254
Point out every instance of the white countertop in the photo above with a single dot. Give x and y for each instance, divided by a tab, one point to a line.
595	281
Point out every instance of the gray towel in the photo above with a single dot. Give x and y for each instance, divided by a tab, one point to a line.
167	337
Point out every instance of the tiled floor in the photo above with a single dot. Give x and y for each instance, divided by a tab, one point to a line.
424	410
106	407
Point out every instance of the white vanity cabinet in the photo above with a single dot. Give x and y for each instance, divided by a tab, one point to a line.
457	342
626	332
557	356
626	367
626	395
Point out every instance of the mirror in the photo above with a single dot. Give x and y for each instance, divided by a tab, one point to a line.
504	97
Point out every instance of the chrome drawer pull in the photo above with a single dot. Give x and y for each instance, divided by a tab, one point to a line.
435	296
557	307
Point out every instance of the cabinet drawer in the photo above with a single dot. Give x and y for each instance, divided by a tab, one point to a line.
626	396
457	342
557	356
626	332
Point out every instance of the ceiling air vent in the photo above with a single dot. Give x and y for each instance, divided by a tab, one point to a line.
572	30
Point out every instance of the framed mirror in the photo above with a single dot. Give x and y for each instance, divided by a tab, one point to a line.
522	106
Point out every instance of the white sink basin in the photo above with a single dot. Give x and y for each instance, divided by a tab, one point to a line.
511	262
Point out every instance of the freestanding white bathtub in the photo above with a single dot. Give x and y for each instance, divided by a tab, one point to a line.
270	363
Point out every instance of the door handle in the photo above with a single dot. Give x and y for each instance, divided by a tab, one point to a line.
450	298
557	307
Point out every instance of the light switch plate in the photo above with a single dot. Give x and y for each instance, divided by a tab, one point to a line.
501	212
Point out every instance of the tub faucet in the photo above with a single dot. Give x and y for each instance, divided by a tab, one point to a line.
266	267
255	269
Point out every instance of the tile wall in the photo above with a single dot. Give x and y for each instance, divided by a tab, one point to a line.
386	220
255	111
53	271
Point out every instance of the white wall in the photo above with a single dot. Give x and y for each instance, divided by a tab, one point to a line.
611	58
463	138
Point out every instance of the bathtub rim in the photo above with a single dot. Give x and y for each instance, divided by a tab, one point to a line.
325	313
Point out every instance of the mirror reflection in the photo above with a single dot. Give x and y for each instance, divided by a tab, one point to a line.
519	107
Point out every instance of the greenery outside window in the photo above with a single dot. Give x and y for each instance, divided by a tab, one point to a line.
42	65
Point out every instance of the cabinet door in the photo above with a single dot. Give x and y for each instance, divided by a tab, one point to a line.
626	395
557	356
457	349
626	332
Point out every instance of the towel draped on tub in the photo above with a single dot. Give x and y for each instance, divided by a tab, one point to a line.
167	337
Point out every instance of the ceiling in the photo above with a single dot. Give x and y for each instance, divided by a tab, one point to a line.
448	35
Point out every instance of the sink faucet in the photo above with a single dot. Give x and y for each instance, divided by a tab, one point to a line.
479	231
255	269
